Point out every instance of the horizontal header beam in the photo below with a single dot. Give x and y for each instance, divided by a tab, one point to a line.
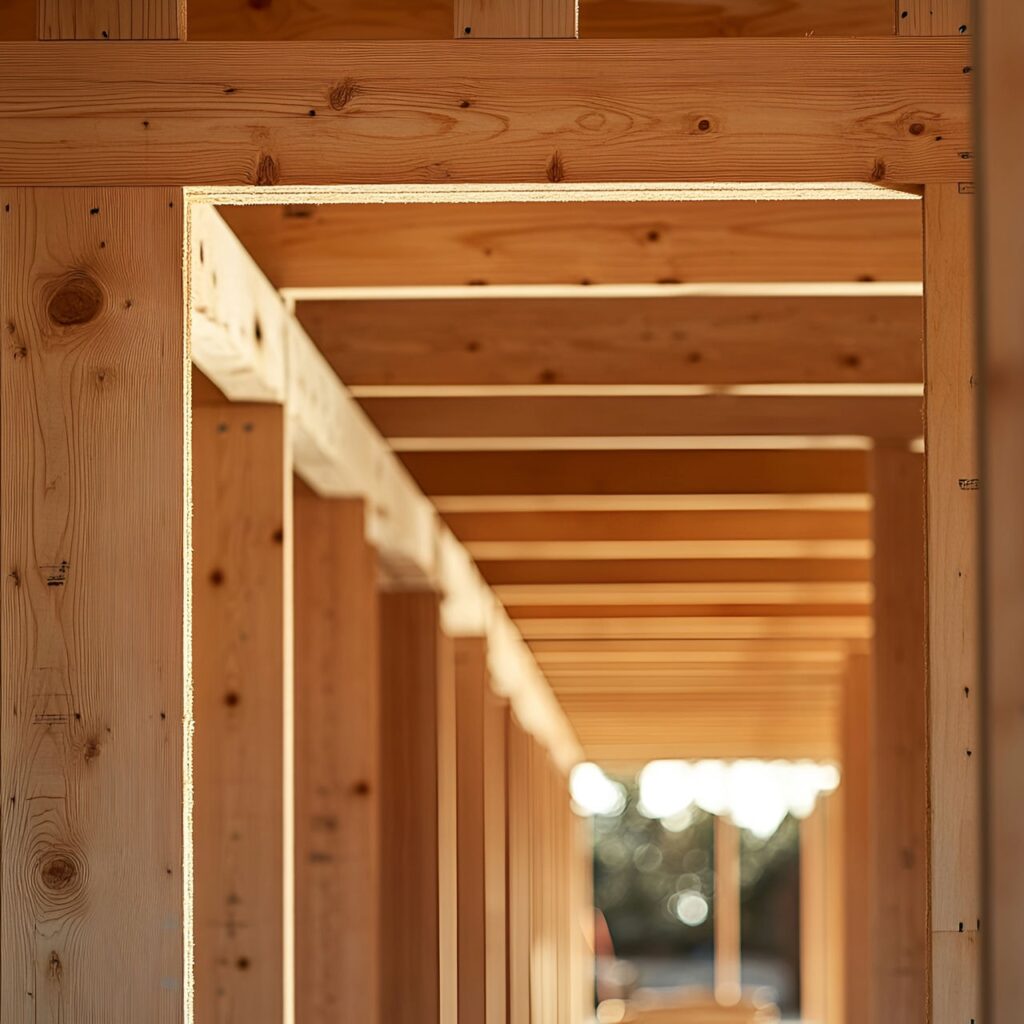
883	110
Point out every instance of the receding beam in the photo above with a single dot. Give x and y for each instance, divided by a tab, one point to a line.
582	594
441	419
638	472
699	627
337	764
95	715
243	674
883	110
630	243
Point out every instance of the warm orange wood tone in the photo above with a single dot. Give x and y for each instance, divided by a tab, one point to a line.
639	472
571	243
1001	253
496	111
419	957
727	912
495	824
242	606
899	760
623	341
93	462
934	17
337	764
953	596
110	19
511	19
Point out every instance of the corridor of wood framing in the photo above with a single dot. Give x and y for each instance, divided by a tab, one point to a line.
407	406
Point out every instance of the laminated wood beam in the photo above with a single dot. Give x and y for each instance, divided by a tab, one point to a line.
632	242
607	341
885	110
337	769
242	639
96	708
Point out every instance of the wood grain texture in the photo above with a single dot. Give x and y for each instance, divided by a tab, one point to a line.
638	472
418	851
242	607
641	242
498	416
615	341
111	19
337	770
899	783
495	824
884	110
1001	253
953	597
727	911
94	457
515	19
519	839
934	17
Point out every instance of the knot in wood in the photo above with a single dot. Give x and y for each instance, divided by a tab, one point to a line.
76	300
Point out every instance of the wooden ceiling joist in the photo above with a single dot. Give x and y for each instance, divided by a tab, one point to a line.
872	110
613	341
435	245
581	594
245	340
850	627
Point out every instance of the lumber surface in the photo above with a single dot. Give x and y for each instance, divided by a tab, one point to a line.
515	19
110	19
884	110
95	702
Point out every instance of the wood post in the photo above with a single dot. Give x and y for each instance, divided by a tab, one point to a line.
509	19
94	653
337	769
728	980
953	592
898	872
520	878
110	19
419	953
242	639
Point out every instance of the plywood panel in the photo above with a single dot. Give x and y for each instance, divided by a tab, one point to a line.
496	111
93	460
337	771
624	243
241	636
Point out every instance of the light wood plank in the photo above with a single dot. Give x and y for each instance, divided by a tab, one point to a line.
497	416
638	472
447	244
338	771
637	550
899	782
934	17
96	708
695	627
110	19
582	594
496	880
953	594
397	113
243	674
418	851
727	912
1001	253
520	881
515	19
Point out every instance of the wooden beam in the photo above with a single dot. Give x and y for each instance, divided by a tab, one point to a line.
338	770
110	19
953	593
698	627
96	709
638	472
373	125
488	341
934	17
477	419
899	787
1001	251
419	959
639	550
515	19
243	675
519	761
509	243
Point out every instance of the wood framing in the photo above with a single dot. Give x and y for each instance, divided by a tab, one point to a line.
728	987
96	706
338	814
510	19
243	675
111	19
402	113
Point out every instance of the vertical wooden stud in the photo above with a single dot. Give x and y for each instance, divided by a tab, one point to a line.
418	855
1001	253
495	856
110	19
337	768
953	592
94	706
898	871
728	981
520	886
242	490
934	17
508	19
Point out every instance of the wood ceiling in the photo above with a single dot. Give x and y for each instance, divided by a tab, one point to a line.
667	490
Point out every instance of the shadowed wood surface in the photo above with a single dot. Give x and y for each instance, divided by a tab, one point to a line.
881	110
94	651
